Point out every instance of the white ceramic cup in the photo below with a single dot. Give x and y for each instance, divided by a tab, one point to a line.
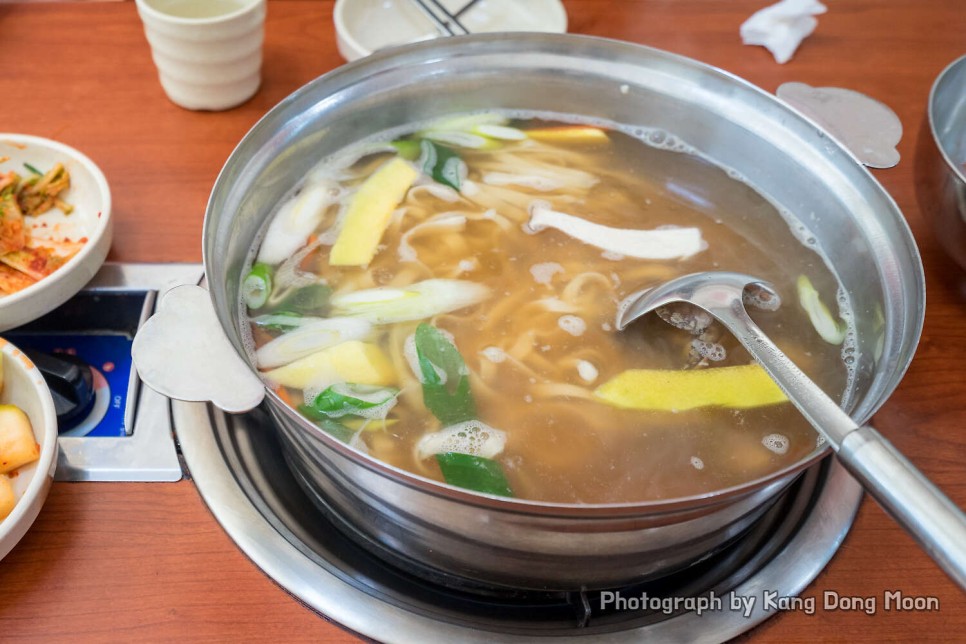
208	52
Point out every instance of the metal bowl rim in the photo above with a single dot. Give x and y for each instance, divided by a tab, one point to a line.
957	169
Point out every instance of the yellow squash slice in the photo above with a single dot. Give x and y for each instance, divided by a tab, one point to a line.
369	212
353	361
738	387
569	134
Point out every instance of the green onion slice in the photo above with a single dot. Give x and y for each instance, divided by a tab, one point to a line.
443	164
257	286
832	330
408	149
279	321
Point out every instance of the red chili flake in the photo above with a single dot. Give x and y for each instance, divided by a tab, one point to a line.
83	240
107	367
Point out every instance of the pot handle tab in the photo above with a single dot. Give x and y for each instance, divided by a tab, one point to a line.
182	353
868	128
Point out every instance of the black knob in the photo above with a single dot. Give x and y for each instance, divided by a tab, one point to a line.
71	384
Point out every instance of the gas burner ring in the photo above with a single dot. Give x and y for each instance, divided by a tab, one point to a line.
240	472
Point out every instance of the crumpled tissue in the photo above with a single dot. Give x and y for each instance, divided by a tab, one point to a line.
782	27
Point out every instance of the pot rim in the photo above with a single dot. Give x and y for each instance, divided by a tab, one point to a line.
709	500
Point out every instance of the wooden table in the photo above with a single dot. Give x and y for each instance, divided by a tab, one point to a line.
117	561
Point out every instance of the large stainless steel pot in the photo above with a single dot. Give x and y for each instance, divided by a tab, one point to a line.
941	160
474	538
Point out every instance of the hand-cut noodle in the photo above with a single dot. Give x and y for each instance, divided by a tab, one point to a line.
447	221
543	340
579	288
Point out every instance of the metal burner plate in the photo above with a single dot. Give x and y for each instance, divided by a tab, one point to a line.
238	466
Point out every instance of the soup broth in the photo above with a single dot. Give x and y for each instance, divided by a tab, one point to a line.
444	301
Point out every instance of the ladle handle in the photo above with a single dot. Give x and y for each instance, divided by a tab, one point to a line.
913	501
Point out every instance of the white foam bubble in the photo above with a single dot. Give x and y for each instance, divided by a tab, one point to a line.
587	371
309	394
762	299
543	273
686	317
572	324
248	341
777	443
709	350
850	353
697	463
494	354
473	437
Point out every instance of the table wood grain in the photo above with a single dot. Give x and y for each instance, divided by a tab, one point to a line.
126	562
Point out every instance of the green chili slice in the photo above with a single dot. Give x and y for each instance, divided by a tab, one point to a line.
444	376
347	398
474	473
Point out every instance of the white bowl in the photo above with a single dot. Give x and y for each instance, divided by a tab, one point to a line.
363	26
24	387
91	218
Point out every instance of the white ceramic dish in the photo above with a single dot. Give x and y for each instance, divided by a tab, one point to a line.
363	26
91	218
24	387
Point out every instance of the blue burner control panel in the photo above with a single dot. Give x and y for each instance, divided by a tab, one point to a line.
111	427
95	330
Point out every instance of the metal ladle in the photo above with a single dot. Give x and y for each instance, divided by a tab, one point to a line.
913	501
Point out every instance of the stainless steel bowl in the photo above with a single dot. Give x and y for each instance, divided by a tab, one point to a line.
473	538
941	160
